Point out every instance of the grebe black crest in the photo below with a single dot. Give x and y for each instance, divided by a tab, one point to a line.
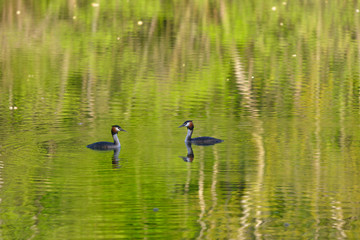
108	145
203	141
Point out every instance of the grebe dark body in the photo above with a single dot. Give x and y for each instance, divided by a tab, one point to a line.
201	141
108	145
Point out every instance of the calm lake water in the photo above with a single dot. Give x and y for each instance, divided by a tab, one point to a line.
278	81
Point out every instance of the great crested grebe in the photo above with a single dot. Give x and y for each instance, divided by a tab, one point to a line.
199	140
108	145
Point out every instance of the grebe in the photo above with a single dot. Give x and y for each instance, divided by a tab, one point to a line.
108	145
199	140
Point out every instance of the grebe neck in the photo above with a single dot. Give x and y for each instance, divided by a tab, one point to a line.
188	135
116	140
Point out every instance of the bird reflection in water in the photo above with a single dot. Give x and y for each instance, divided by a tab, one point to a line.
190	154
115	159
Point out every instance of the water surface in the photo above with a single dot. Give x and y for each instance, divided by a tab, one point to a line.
277	81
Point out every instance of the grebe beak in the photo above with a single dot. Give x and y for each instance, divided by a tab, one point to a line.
120	129
186	123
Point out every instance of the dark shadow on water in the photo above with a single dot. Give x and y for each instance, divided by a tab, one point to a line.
115	158
190	154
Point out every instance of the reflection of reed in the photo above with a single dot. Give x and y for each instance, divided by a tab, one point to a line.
94	21
338	217
186	193
1	186
142	66
250	195
317	156
214	198
202	204
244	85
64	81
201	200
338	212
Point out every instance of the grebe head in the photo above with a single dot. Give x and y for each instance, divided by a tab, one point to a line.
115	129
108	145
189	124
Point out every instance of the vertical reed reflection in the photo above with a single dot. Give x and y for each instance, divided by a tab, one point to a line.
253	194
318	164
202	203
187	195
317	150
337	214
1	186
214	198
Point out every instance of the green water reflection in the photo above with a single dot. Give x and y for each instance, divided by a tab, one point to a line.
278	81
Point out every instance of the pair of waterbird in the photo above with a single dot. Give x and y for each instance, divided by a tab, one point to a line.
189	124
